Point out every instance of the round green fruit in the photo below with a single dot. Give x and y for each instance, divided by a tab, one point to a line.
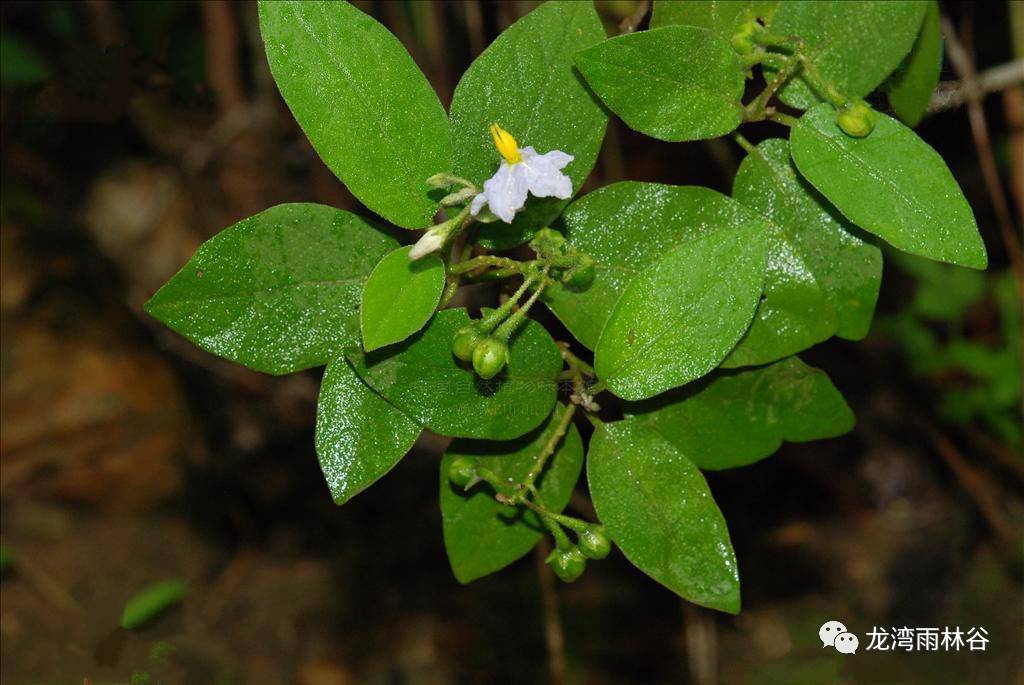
489	358
856	119
462	471
594	543
568	564
465	341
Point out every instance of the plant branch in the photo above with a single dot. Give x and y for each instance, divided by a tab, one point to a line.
953	94
549	447
963	63
554	637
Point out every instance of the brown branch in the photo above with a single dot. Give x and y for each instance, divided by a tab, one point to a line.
554	637
953	94
963	63
701	641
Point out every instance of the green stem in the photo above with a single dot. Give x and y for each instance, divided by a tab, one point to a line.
569	522
506	329
783	119
818	83
484	261
755	111
489	322
747	146
549	447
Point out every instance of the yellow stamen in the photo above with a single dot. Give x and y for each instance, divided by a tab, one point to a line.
506	144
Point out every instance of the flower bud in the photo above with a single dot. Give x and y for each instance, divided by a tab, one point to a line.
857	119
462	472
582	275
742	41
568	564
548	243
465	341
429	242
594	543
489	357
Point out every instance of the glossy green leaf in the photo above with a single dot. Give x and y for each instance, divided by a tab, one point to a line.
683	314
277	292
150	602
525	81
822	280
723	17
627	226
362	101
855	44
399	297
890	183
910	88
739	417
656	506
482	536
674	83
421	377
360	436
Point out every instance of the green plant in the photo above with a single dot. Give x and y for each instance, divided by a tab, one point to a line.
693	303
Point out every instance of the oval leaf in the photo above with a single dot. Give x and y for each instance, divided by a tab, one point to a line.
399	297
423	379
740	417
148	603
723	17
626	227
525	81
366	107
674	83
277	292
482	536
359	435
910	88
656	506
890	183
683	314
822	280
855	44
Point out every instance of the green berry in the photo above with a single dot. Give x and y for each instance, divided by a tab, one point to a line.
582	275
594	543
568	564
462	472
857	119
490	357
465	341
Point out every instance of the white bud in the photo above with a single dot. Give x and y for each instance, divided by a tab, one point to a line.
429	242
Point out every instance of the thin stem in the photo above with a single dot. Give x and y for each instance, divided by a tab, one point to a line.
747	146
483	261
569	522
506	329
488	323
575	363
783	119
755	110
549	447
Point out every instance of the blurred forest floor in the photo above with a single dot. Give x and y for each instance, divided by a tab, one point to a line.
131	132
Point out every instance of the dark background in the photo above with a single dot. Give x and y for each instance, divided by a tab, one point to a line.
131	132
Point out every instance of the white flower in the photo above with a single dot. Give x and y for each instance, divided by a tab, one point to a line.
431	241
522	171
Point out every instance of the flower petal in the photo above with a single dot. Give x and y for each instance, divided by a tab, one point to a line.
479	200
506	191
545	176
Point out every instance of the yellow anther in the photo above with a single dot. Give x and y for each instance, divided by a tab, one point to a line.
506	144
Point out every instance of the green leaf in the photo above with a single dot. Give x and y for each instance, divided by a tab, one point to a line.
910	88
723	17
482	536
399	297
626	227
525	81
822	280
422	378
277	292
890	183
855	44
656	506
362	101
739	417
20	65
359	435
675	83
683	314
150	602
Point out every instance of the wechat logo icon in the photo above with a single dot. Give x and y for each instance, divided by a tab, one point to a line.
835	634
